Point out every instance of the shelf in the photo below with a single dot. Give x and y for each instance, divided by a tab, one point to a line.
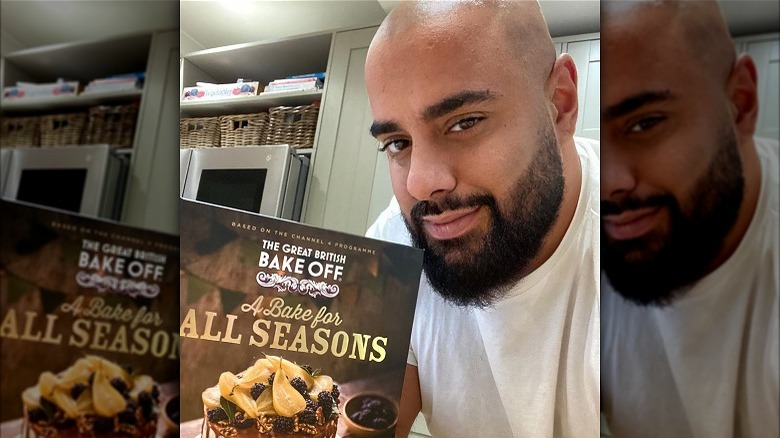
259	61
81	61
52	104
247	104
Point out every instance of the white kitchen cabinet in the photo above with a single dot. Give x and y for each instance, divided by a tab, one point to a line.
350	181
151	184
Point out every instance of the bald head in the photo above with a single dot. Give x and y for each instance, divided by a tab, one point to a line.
515	28
697	26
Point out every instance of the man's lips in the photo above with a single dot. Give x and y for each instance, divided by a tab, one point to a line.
451	223
631	224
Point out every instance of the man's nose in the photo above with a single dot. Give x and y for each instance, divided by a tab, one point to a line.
431	172
618	176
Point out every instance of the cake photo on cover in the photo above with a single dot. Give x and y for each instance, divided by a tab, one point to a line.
272	398
94	397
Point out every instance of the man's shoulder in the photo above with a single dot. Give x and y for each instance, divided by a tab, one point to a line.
389	225
588	147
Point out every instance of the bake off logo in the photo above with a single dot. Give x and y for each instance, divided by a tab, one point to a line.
294	260
103	265
281	326
98	325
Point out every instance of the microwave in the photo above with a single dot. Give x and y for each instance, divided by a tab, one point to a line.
268	180
85	179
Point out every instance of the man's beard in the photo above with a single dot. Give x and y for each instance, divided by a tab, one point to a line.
657	268
476	269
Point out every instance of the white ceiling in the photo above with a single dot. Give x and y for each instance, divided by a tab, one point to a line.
206	24
33	23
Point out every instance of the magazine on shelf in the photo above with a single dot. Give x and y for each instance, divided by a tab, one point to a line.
88	329
290	328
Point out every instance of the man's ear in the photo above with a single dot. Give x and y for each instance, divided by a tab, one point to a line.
742	88
562	84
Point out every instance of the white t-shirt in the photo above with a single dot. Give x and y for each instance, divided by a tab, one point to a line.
529	366
707	366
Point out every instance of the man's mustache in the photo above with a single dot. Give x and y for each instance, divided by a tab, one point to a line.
633	203
432	208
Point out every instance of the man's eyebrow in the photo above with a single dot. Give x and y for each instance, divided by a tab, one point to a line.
380	127
438	109
635	102
452	103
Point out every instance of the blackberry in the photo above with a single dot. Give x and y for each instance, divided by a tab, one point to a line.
307	417
146	401
256	390
128	415
300	386
283	424
271	379
380	422
308	369
64	423
36	415
326	401
324	398
335	393
119	385
241	422
48	406
76	390
156	392
103	425
216	415
311	405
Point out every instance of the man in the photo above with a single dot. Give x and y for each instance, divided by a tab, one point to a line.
689	204
476	116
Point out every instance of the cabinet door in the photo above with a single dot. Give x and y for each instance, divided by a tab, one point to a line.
153	183
349	183
766	54
586	55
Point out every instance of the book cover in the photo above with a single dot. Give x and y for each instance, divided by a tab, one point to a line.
89	344
290	330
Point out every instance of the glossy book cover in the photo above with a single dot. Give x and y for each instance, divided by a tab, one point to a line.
290	330
89	344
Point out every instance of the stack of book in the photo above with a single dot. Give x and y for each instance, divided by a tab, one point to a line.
308	82
131	81
26	90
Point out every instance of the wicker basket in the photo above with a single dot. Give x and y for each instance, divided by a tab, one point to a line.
62	129
243	129
114	125
199	132
19	132
293	125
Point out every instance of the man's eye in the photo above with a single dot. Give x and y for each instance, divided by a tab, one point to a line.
645	123
464	124
394	146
